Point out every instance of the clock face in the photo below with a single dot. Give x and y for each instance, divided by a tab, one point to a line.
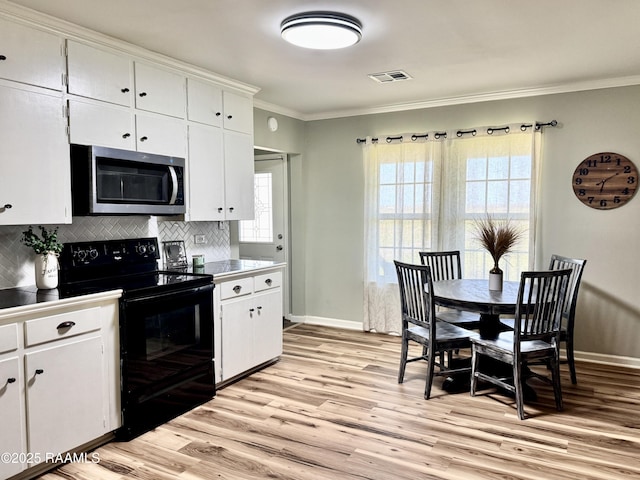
605	180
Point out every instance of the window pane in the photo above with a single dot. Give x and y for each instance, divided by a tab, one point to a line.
260	229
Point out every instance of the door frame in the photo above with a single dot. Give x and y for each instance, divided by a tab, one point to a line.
286	281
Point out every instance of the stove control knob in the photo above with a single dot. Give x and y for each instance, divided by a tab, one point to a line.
142	249
93	254
151	248
81	255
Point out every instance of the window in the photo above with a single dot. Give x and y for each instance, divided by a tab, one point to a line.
426	196
260	230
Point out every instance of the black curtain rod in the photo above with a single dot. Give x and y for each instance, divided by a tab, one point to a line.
460	133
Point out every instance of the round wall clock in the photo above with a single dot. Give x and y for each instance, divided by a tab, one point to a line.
605	180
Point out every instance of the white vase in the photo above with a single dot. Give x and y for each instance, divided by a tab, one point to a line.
46	270
495	279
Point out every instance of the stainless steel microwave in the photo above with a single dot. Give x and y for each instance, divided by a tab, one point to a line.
110	181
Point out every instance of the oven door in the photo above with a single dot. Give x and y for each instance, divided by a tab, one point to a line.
166	355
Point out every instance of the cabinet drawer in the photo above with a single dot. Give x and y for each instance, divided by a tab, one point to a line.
267	281
8	338
236	288
65	325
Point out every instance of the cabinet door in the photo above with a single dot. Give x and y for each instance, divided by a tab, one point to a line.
267	325
204	102
161	135
65	395
12	419
100	124
98	74
34	151
238	166
238	112
206	174
159	90
237	338
30	55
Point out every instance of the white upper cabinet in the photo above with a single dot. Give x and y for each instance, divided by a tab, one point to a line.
158	90
238	175
238	112
101	124
35	184
96	73
206	174
161	135
209	104
204	102
31	56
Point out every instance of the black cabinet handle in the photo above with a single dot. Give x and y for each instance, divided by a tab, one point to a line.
218	114
252	310
260	308
126	135
39	371
124	90
11	380
67	324
143	94
2	57
231	209
7	206
237	288
268	281
229	117
143	139
220	209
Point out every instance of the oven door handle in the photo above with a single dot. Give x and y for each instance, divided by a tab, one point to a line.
164	295
174	185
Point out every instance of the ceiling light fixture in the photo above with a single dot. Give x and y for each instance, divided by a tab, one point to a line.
321	30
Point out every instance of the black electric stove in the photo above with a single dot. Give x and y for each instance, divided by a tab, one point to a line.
166	327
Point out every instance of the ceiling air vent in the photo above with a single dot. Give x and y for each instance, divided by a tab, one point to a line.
393	76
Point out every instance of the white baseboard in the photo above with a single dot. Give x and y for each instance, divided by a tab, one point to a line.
581	356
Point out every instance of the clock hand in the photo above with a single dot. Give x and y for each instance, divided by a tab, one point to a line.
602	182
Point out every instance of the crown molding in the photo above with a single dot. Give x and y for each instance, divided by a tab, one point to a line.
72	31
465	99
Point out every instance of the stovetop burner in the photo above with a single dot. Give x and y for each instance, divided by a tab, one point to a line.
129	264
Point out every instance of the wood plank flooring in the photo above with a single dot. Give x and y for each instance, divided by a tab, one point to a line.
332	409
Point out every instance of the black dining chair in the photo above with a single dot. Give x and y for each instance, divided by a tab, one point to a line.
535	337
567	327
446	265
420	325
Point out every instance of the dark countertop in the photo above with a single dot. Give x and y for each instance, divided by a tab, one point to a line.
230	267
30	295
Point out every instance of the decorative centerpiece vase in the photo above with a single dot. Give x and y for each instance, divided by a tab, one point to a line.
495	279
497	238
47	248
46	270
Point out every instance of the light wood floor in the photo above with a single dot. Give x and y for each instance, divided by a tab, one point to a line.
331	408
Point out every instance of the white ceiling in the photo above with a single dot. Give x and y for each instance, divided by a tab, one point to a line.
456	50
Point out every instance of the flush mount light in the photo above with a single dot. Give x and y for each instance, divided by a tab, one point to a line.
321	30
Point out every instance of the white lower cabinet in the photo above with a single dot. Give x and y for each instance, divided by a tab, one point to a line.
249	321
65	397
13	437
59	379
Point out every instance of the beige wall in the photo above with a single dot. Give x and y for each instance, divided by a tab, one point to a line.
328	200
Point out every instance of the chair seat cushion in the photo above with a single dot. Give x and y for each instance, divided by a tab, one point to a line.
504	341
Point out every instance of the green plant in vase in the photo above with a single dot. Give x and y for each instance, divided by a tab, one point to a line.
47	248
498	237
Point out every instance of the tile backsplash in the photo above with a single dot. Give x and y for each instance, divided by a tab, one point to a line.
16	260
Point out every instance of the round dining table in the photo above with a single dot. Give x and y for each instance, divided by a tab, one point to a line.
473	295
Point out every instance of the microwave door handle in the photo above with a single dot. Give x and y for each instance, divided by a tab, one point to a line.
174	182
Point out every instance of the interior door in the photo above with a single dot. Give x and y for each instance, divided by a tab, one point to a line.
265	237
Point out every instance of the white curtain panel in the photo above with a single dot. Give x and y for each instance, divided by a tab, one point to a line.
423	194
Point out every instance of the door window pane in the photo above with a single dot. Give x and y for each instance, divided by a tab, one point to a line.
260	230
